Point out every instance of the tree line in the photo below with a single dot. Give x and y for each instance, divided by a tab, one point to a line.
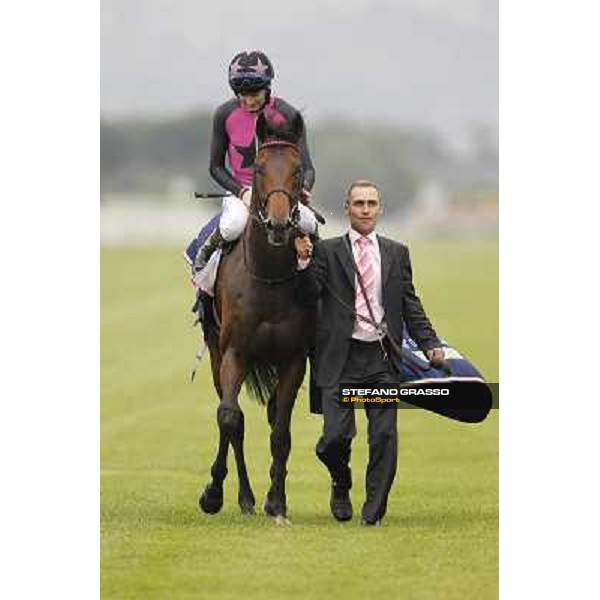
141	155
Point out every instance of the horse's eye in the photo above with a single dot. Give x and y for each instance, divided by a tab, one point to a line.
260	171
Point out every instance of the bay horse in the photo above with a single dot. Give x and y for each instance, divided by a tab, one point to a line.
264	333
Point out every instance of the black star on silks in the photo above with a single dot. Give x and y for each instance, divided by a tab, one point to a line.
248	154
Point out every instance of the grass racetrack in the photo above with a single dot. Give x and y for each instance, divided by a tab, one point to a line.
159	434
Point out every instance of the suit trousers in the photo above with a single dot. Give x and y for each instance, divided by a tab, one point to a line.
366	366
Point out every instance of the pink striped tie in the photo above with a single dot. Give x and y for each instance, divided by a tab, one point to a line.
366	267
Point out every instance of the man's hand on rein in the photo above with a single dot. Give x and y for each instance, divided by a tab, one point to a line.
304	247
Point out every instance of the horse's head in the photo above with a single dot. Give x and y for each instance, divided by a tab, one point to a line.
278	178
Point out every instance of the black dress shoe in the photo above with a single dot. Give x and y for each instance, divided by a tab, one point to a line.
341	507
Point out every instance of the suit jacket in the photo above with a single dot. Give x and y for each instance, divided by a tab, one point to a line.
330	269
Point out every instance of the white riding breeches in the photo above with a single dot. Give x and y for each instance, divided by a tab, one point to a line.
235	216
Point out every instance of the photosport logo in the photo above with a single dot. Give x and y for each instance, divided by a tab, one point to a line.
355	395
468	400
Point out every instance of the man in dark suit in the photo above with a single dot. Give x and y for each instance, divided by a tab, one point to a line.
351	348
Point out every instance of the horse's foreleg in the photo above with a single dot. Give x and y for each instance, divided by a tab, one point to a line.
231	422
290	379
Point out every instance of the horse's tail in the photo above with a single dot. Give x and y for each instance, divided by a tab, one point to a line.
261	380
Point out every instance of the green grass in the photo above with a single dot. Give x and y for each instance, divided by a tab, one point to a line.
158	431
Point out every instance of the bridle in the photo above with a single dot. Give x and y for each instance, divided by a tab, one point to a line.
263	200
260	215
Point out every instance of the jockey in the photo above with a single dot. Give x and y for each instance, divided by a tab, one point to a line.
234	133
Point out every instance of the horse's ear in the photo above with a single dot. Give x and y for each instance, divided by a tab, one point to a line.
261	128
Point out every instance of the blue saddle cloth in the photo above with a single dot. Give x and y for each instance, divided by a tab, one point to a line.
192	250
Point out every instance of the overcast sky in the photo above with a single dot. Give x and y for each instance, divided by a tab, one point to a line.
431	63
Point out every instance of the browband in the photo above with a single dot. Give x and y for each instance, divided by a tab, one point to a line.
274	143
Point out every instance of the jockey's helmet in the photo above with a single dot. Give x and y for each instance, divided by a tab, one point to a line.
250	71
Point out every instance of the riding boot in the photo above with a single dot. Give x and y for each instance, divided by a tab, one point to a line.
205	252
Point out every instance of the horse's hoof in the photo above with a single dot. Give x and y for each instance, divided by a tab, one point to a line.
269	509
247	506
282	521
211	500
274	509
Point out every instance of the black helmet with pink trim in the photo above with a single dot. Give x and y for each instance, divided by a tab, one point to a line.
250	71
